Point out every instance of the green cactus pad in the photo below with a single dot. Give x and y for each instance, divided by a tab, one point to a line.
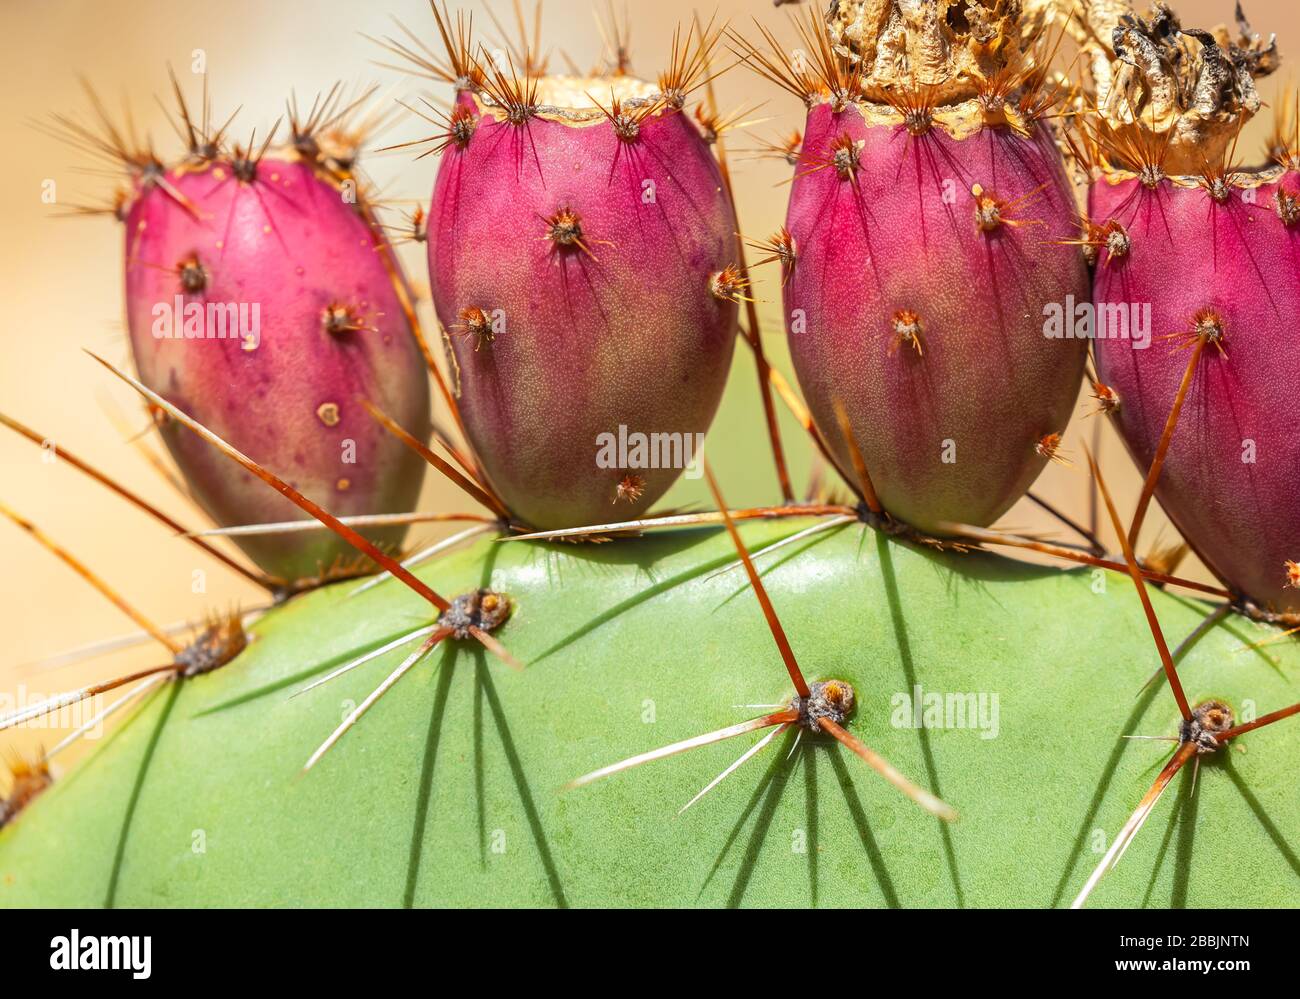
449	791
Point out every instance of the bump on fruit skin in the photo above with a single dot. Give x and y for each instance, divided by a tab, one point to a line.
332	328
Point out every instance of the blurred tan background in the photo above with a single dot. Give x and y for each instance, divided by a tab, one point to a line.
60	281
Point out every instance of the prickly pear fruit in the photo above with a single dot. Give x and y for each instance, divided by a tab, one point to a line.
1210	253
580	254
447	793
920	263
262	301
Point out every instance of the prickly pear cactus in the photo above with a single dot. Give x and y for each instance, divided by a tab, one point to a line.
449	792
883	712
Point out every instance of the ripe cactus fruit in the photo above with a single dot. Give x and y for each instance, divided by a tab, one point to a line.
261	299
1211	256
581	256
919	261
447	795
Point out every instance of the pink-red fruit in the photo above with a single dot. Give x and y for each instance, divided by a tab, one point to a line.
263	302
581	252
927	215
1212	257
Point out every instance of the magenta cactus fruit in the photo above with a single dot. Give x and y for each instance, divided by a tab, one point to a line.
1206	256
582	255
262	300
919	255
